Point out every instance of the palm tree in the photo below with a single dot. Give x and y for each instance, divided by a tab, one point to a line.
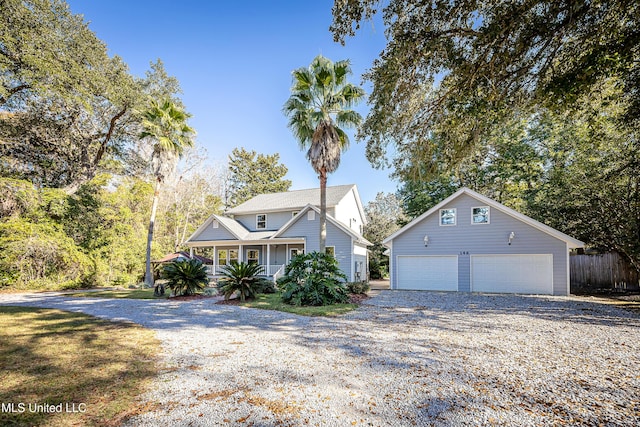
318	110
165	123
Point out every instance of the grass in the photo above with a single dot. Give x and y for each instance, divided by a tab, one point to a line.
124	293
273	302
55	357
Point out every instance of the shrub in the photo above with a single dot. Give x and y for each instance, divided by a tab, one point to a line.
376	269
38	255
242	277
186	277
358	287
313	279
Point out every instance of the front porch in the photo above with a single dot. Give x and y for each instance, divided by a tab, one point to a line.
271	254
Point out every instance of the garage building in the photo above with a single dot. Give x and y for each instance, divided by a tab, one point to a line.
471	243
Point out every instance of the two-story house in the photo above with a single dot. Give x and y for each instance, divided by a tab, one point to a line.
270	229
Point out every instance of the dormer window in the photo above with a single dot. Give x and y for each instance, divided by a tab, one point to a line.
448	216
215	223
261	221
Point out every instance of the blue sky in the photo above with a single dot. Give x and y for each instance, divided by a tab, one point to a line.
234	63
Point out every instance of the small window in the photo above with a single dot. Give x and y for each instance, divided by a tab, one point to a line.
311	215
448	216
261	221
295	252
233	255
294	213
215	223
480	215
330	250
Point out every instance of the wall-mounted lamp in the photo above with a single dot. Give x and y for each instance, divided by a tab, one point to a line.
426	240
512	236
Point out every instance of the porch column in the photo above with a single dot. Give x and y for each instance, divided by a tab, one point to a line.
286	254
191	252
215	255
240	254
268	259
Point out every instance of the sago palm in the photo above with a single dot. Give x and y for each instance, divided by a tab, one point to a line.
186	277
165	124
242	277
319	109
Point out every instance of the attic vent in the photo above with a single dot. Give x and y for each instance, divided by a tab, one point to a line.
311	215
215	223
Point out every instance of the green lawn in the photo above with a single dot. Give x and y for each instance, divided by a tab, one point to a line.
273	302
84	363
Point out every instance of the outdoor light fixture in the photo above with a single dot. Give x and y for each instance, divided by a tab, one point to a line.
426	240
512	236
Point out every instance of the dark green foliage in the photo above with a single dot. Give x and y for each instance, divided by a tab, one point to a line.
186	277
460	68
377	270
243	278
251	174
313	279
358	287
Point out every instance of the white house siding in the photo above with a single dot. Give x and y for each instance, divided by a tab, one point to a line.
335	237
347	210
465	240
275	220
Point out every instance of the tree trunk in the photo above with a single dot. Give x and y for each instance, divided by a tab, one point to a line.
148	276
323	210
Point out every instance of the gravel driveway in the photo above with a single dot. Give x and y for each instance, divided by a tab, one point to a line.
403	358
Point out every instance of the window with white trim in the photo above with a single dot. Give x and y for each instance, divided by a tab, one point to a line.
233	255
261	221
480	215
215	223
448	216
294	252
311	215
330	250
222	256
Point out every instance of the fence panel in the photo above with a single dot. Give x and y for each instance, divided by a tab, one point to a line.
602	271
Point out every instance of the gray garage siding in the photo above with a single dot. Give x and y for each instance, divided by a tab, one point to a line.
335	237
465	240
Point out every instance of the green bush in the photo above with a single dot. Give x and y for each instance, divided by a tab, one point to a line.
242	277
358	287
186	277
313	279
39	255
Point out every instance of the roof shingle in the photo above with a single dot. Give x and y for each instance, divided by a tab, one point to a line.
296	199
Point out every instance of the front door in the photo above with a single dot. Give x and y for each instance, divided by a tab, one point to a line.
253	256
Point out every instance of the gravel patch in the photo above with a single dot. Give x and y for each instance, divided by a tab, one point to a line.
403	358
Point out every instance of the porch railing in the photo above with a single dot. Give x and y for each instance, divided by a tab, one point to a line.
275	270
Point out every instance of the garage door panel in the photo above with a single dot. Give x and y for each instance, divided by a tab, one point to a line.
526	274
436	273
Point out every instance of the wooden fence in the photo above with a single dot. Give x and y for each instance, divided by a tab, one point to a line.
602	271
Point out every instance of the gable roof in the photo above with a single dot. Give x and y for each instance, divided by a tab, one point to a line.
291	200
360	239
573	243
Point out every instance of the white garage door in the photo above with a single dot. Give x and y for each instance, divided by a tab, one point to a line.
435	273
522	274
